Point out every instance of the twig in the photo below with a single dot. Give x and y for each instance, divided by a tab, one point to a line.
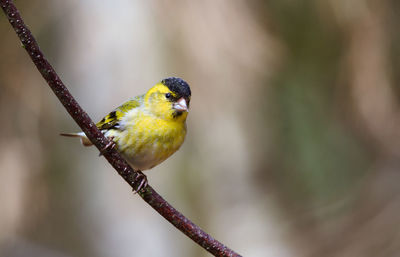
113	157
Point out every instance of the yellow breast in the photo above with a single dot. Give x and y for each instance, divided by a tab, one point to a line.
146	140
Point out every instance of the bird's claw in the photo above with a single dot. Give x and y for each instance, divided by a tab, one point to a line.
109	146
141	181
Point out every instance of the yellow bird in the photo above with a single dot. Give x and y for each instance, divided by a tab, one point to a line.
149	128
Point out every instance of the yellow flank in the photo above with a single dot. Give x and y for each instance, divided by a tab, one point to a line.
115	116
149	128
146	140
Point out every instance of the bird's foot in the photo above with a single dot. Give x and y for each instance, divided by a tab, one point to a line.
109	146
140	181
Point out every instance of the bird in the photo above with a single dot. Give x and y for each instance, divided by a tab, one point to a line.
148	128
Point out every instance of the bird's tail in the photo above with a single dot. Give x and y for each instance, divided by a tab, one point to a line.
84	140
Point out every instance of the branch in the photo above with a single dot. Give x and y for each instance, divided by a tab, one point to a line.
97	138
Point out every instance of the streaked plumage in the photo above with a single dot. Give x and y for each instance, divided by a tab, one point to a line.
148	128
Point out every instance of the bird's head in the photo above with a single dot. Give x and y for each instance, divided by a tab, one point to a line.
169	99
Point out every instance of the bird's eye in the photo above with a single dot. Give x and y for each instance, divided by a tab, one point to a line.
168	95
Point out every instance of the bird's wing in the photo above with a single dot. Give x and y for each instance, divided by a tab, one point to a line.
111	121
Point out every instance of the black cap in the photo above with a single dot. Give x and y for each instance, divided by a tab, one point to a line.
178	86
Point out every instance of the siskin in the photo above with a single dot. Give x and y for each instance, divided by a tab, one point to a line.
149	128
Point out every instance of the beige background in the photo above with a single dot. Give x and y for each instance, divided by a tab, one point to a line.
293	143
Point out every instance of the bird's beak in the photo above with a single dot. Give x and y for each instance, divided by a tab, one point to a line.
181	105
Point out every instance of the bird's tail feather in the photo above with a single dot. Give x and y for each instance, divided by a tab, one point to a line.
84	140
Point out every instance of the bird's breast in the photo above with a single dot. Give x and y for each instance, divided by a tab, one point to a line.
147	141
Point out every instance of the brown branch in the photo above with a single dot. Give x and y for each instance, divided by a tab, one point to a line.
113	157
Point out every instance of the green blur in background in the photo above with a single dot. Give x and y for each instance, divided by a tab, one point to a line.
293	134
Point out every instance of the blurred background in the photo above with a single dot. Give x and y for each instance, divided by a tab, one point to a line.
293	146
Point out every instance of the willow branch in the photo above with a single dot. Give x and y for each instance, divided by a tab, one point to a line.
97	138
